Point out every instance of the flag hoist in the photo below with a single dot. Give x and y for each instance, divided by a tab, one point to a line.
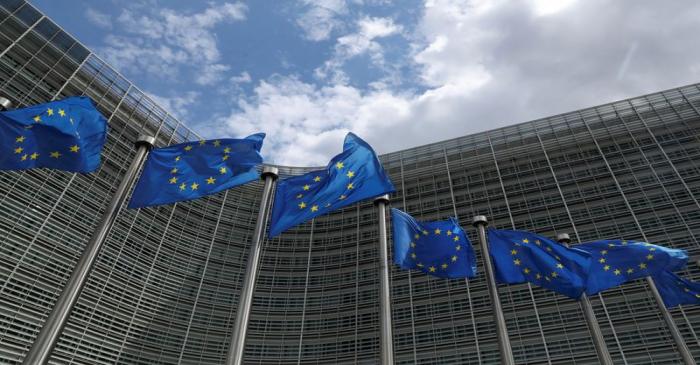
41	349
387	339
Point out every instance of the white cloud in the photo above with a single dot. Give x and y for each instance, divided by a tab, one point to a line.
98	18
321	17
165	40
243	78
483	64
177	105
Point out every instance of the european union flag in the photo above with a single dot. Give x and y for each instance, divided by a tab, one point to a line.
351	176
439	248
526	257
675	290
192	170
65	135
615	262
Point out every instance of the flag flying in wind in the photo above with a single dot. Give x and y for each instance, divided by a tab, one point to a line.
351	176
438	248
192	170
614	262
65	135
520	257
675	290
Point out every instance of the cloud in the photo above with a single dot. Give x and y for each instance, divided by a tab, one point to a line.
167	41
320	18
480	65
177	105
98	18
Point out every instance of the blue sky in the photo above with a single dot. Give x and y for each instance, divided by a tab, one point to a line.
397	73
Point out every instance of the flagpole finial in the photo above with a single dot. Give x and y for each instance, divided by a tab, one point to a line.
145	140
5	104
270	171
563	238
382	199
480	219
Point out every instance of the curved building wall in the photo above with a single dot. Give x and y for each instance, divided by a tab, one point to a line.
166	284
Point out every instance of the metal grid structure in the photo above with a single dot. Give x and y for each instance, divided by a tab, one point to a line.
166	284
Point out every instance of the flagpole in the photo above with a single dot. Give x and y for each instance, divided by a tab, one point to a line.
600	347
42	347
387	339
5	104
677	337
480	223
240	327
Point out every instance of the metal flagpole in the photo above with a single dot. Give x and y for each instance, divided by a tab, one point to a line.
41	349
480	223
600	347
387	339
5	104
677	337
235	352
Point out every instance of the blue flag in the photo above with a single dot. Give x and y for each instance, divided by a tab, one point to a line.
520	257
675	290
614	262
351	176
192	170
439	248
65	135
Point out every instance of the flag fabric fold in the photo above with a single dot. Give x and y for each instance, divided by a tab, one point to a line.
675	290
192	170
353	175
614	262
439	248
520	257
65	135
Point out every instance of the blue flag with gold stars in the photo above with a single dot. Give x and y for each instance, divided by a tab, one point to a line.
520	257
192	170
439	248
614	262
675	290
65	135
351	176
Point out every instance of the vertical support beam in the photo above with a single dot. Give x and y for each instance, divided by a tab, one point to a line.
387	337
240	328
42	347
480	223
598	340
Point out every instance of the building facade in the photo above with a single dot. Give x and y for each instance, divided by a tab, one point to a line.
166	285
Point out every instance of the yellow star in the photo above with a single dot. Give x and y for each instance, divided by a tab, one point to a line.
413	255
174	170
652	249
449	233
227	150
224	158
24	157
350	174
37	119
554	274
611	245
211	180
537	242
420	264
222	170
342	197
513	252
413	245
34	156
602	261
526	270
538	276
697	295
177	158
339	165
188	148
425	233
61	112
173	180
299	196
617	271
432	269
49	111
74	148
456	238
328	205
302	205
458	247
437	231
606	267
19	150
317	179
516	262
350	186
549	249
444	266
547	278
306	187
642	266
630	270
55	154
454	258
603	252
183	186
416	236
19	139
194	186
217	143
314	208
525	240
650	256
202	142
560	266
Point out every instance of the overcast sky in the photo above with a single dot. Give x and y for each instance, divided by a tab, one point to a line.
398	74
